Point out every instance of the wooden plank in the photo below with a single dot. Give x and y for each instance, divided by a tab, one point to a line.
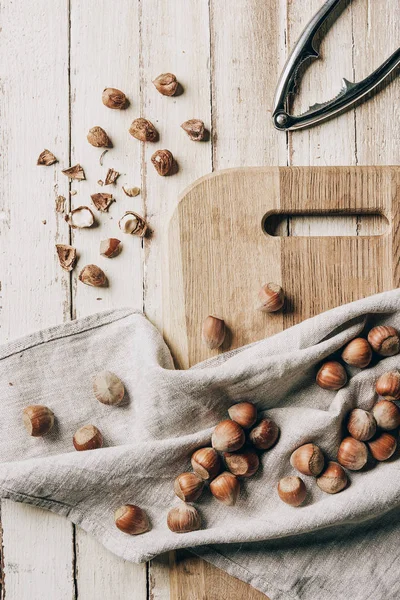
38	554
105	53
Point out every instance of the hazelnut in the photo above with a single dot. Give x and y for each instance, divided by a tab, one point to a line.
132	192
357	353
102	201
383	446
228	436
388	385
110	247
143	130
225	488
384	340
333	479
292	490
352	454
195	129
75	172
244	413
46	158
38	420
108	388
188	486
166	84
66	256
206	463
80	217
113	98
271	298
331	376
243	463
93	276
162	161
183	519
361	424
131	519
214	332
387	415
98	138
264	435
308	459
87	437
133	223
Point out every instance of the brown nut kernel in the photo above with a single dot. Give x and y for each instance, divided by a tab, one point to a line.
331	376
183	519
195	129
384	340
133	223
228	436
162	161
387	415
264	435
388	385
352	454
357	353
80	217
131	519
98	138
143	130
38	420
102	201
188	486
225	488
213	332
92	275
66	256
308	459
383	446
271	298
333	479
206	463
46	158
87	437
110	247
244	413
108	388
113	98
243	463
361	424
166	84
292	490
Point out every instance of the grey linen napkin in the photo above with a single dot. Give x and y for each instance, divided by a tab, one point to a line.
334	547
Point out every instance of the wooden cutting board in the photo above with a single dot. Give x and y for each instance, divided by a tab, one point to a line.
218	255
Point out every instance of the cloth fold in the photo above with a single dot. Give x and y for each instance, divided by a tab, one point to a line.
334	547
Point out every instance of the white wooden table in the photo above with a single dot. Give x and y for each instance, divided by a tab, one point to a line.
57	56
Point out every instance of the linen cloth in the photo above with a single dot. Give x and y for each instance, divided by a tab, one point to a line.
332	547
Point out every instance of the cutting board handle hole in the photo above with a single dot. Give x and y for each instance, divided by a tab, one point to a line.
323	224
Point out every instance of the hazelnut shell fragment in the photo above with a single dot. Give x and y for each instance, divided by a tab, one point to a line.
92	275
225	488
143	130
46	158
38	420
183	519
102	201
87	437
110	247
133	223
166	84
132	191
113	98
108	388
75	172
264	435
111	176
162	161
98	138
131	519
66	256
80	217
194	129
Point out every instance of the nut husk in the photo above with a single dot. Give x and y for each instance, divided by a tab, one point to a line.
93	275
384	340
75	172
102	201
87	437
166	84
333	479
143	130
113	98
183	518
133	223
206	463
271	298
66	256
264	435
188	486
162	161
225	488
98	138
227	436
46	158
111	177
308	459
108	388
131	519
194	129
38	420
80	217
110	247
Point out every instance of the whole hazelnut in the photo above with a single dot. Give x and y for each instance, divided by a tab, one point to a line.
166	84
38	420
264	435
92	275
387	415
388	385
206	463
108	388
228	436
383	446
384	340
188	486
97	137
271	298
357	353
113	98
143	130
243	463
244	413
352	454
308	459
195	129
333	479
225	488
361	424
131	519
110	247
292	490
183	519
331	376
214	332
162	161
87	437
